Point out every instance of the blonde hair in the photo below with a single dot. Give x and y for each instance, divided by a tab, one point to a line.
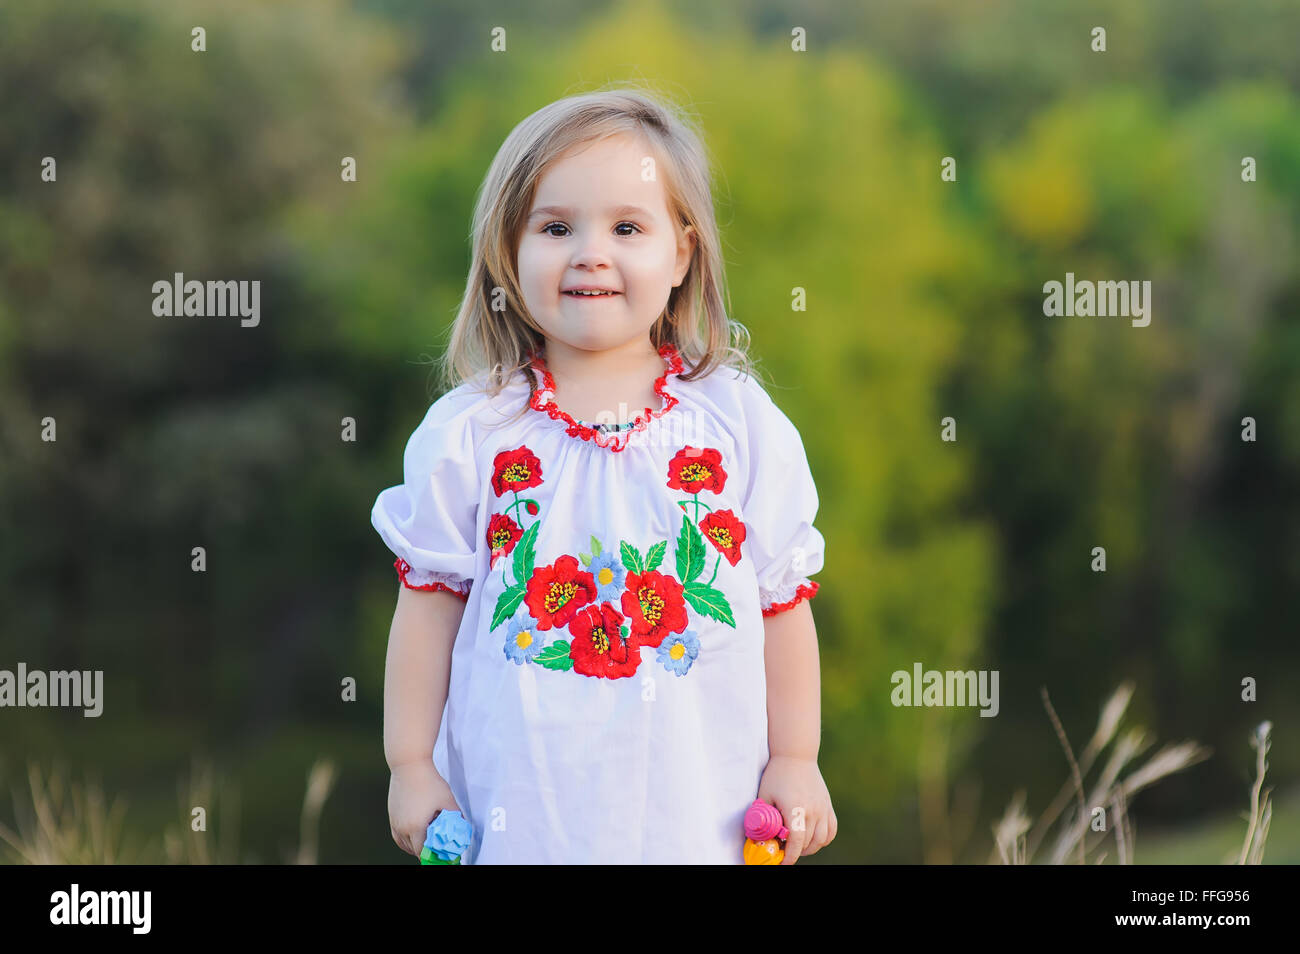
492	346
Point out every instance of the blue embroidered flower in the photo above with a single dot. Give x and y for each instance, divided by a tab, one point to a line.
522	641
609	573
678	651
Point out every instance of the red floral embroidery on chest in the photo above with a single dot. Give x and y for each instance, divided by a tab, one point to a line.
599	608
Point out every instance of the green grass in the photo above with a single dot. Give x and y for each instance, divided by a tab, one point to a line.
1218	840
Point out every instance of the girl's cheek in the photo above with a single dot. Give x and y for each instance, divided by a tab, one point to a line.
531	269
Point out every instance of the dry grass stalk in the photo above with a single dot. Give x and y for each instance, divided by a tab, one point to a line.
1108	790
320	780
62	823
1261	808
1075	774
66	823
1009	832
1111	714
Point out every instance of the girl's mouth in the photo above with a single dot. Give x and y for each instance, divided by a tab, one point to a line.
572	294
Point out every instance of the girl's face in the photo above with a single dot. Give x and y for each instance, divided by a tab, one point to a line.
596	223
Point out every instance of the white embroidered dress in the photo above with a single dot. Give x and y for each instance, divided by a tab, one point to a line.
607	700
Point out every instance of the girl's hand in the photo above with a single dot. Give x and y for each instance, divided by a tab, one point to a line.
793	785
416	793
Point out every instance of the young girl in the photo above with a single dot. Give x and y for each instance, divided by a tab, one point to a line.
603	649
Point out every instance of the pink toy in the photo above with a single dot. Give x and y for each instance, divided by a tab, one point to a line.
763	822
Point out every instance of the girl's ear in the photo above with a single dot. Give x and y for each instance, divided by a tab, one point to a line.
685	251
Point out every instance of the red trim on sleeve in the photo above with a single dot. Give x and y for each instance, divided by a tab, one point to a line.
403	567
806	591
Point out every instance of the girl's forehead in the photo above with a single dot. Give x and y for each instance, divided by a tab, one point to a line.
615	164
605	155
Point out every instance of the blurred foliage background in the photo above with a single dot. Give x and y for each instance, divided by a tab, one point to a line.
924	301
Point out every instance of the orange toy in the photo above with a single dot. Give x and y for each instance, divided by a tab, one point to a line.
767	852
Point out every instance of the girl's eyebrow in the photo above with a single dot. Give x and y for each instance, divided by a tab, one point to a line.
561	210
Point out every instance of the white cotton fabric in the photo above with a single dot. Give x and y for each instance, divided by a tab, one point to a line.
558	767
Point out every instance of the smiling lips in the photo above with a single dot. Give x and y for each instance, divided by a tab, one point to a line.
591	294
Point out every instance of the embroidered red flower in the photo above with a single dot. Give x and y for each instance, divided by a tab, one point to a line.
518	469
695	469
598	647
554	593
654	606
725	532
502	535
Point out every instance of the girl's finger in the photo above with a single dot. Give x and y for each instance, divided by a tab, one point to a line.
818	839
794	844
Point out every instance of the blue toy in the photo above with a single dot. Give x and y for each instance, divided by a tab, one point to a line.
447	838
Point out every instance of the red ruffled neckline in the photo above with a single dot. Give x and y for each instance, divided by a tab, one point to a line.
543	400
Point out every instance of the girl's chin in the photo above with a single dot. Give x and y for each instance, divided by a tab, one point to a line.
587	340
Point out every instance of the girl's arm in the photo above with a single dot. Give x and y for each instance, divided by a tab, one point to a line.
416	676
417	672
792	781
793	683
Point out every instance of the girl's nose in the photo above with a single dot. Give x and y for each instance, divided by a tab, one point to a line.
591	252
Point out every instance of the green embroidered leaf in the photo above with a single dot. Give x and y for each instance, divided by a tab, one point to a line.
710	602
655	555
595	546
631	558
555	656
623	631
507	603
690	551
683	549
586	560
526	554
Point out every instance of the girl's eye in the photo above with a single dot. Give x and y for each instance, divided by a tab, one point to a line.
560	225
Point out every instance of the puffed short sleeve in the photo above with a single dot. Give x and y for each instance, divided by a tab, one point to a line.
780	507
429	520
